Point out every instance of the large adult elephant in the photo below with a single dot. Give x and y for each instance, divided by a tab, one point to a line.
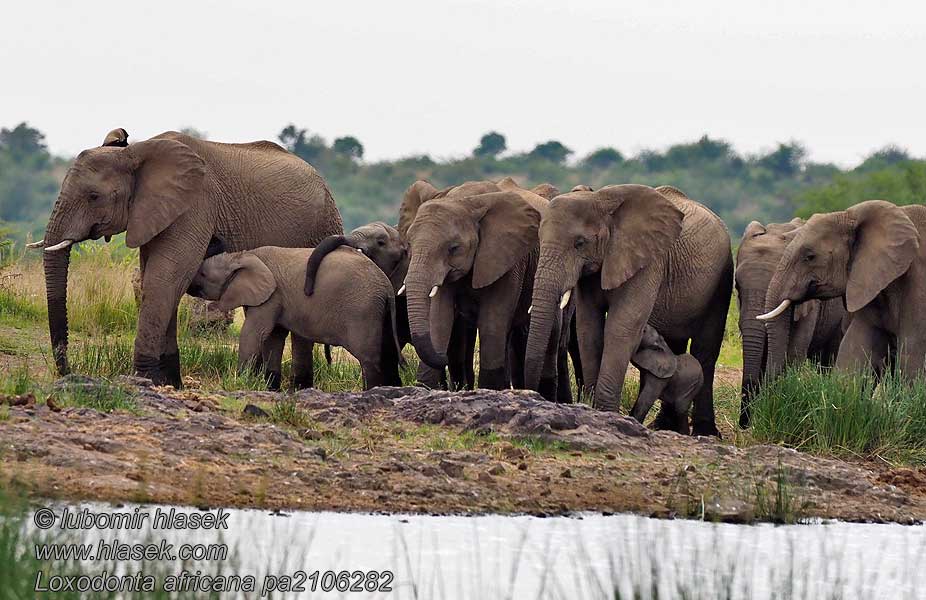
812	330
873	254
473	253
631	254
175	196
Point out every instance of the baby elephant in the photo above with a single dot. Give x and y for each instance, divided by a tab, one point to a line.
664	375
353	305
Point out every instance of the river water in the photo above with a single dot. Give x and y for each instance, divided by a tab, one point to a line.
523	557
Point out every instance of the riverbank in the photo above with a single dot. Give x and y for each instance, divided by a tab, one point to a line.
419	451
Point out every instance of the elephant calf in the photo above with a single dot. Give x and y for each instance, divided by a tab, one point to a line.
663	374
353	306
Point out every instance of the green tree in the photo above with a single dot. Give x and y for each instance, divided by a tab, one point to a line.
24	145
703	151
490	145
885	157
348	146
784	161
603	158
310	148
552	151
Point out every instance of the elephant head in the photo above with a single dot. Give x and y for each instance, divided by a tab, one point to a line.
615	231
385	247
857	253
232	280
654	356
473	230
757	258
140	189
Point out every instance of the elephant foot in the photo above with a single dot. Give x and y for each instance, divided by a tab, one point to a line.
668	421
705	429
150	368
493	379
548	388
170	368
744	417
274	378
303	382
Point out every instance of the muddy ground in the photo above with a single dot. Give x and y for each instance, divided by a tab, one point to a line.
413	450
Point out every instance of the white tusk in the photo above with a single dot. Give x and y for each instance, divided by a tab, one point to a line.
401	290
37	244
433	292
530	308
59	246
565	299
771	315
360	250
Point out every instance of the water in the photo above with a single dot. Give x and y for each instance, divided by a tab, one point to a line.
519	557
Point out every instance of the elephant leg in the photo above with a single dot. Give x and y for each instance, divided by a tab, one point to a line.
456	355
367	351
864	348
651	388
271	355
517	348
705	347
259	325
170	359
574	354
590	322
303	362
496	312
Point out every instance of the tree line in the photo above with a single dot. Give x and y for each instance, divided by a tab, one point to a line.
770	186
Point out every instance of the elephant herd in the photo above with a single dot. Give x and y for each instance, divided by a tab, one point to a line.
626	274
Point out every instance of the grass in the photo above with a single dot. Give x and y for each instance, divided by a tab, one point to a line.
842	415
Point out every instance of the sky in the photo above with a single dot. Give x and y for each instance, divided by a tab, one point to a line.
842	77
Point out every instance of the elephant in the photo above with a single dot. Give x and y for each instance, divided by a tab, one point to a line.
663	375
178	199
813	329
473	251
632	254
353	305
872	254
383	244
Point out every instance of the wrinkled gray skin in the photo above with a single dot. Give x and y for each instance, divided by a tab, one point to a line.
812	330
352	306
175	196
873	254
477	243
631	254
663	375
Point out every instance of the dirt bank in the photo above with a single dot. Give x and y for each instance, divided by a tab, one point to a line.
408	449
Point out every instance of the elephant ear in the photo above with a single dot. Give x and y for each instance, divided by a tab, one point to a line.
417	194
117	137
168	180
643	224
249	283
508	227
753	229
886	242
654	356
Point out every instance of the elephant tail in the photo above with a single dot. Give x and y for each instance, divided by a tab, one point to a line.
324	248
328	354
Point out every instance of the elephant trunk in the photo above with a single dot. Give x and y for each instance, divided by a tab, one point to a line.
56	265
779	329
545	313
754	346
418	286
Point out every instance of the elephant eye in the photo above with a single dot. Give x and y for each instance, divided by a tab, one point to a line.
454	249
381	242
580	242
809	257
94	196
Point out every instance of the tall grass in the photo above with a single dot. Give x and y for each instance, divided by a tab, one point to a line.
841	414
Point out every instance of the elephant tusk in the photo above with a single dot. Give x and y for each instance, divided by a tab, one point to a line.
360	250
565	299
59	246
37	244
771	315
433	291
401	290
530	308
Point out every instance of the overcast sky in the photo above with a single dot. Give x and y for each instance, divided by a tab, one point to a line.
431	76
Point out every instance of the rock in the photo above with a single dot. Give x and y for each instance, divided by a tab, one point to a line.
566	474
27	400
484	477
252	410
452	469
311	434
496	470
52	404
610	456
522	466
513	453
